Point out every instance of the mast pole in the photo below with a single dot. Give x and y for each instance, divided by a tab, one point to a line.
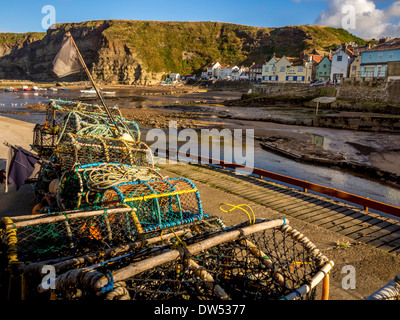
82	62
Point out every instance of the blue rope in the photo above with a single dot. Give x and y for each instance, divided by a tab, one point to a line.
110	285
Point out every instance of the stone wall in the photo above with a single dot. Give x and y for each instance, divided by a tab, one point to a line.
295	90
369	90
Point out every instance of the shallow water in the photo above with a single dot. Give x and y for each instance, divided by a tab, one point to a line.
262	159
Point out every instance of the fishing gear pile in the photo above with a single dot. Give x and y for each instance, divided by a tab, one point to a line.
109	226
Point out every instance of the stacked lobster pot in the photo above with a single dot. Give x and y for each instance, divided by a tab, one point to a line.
108	225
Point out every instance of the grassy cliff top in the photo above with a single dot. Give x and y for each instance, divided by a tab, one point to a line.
187	47
12	39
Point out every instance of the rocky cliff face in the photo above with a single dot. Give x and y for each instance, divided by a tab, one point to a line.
126	52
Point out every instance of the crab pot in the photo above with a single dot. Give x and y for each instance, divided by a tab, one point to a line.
268	260
160	203
81	118
75	150
83	186
73	240
44	140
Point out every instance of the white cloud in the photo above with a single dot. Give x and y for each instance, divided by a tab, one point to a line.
370	22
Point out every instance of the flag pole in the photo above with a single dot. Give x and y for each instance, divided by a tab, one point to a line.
82	62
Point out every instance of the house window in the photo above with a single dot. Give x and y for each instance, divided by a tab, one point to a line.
370	56
324	66
354	68
380	56
282	69
390	55
339	58
300	69
266	69
290	78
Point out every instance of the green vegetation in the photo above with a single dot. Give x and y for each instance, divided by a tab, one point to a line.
187	47
12	39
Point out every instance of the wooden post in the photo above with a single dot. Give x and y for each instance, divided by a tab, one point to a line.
316	111
82	62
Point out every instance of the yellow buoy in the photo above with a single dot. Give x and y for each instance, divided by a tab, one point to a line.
36	209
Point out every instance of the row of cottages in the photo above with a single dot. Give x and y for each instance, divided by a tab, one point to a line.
217	71
359	62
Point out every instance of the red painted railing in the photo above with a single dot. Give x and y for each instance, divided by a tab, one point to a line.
366	203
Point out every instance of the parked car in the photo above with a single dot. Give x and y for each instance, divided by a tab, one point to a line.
318	83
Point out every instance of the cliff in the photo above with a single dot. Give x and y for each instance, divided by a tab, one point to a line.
125	51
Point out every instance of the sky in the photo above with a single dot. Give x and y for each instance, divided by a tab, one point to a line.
365	18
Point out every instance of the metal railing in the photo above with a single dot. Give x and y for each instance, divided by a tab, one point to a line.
364	202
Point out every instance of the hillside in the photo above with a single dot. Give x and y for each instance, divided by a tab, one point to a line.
125	51
14	41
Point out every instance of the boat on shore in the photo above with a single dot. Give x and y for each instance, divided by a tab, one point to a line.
92	91
10	89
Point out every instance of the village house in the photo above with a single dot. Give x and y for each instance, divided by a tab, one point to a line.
225	72
323	69
236	73
315	58
355	68
341	60
255	72
269	70
174	76
209	72
289	69
245	75
374	62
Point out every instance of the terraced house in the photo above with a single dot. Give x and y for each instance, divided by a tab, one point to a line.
323	70
269	70
341	61
374	62
287	69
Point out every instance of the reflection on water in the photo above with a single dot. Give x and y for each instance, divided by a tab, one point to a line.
262	159
317	140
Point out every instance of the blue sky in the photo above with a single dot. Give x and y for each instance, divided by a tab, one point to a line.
26	15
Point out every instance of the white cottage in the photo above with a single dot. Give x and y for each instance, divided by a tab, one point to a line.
341	60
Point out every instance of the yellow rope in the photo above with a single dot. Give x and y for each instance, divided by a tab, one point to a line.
234	207
12	240
153	196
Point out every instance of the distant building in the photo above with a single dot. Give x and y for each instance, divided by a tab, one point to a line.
209	72
189	77
255	72
174	76
374	61
225	72
323	69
